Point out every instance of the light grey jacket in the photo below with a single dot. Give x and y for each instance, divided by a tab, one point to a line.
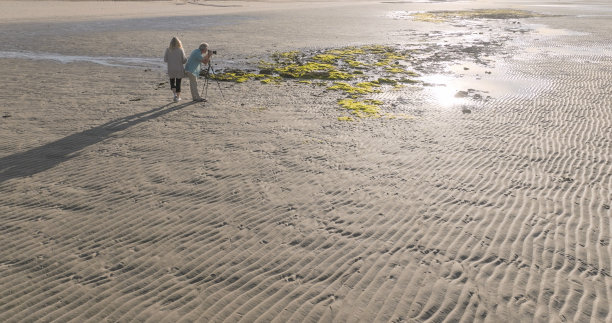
175	58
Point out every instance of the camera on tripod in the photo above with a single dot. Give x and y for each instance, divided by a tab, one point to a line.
210	71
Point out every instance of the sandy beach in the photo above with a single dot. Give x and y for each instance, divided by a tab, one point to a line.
479	189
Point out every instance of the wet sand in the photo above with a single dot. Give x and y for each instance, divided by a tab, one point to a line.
490	201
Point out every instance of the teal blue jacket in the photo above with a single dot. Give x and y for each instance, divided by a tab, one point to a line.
193	63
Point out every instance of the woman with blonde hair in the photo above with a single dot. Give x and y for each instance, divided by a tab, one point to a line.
175	57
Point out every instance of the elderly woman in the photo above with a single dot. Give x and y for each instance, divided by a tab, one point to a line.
192	69
175	57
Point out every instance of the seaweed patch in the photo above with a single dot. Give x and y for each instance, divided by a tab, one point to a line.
448	15
354	71
359	88
362	109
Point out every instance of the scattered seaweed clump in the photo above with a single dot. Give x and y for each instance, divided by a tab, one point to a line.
326	58
345	118
272	80
312	70
447	15
362	109
235	75
399	70
355	71
359	88
286	57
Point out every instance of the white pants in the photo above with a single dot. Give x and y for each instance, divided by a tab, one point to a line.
193	86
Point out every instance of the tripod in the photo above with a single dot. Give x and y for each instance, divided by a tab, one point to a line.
207	76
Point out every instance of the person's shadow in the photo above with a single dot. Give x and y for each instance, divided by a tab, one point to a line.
42	158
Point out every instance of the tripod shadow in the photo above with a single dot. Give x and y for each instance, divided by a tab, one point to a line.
42	158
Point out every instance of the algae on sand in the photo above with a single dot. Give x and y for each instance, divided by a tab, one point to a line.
359	88
446	15
356	71
362	109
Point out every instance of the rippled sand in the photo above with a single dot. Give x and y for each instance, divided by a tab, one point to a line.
489	202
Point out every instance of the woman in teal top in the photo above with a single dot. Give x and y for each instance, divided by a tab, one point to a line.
192	68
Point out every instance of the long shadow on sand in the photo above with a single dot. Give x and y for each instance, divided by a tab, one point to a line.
42	158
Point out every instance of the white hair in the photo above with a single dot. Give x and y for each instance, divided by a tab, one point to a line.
203	47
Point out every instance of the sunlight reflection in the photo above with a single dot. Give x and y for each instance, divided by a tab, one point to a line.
443	90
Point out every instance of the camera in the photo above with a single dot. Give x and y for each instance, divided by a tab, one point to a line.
214	52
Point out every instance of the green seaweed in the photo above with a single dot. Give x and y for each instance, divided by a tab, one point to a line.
386	81
236	76
443	16
355	64
362	109
312	70
272	80
389	57
348	69
359	88
408	81
346	52
326	58
286	57
378	49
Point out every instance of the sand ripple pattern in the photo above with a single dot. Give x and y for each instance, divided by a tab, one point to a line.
267	209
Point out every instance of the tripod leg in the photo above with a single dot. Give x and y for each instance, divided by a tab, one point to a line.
206	77
206	91
218	83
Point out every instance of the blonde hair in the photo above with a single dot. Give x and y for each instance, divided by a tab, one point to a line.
175	43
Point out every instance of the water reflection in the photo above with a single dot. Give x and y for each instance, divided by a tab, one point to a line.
136	62
443	90
471	83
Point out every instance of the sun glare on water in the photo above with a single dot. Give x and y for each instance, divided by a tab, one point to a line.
443	90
